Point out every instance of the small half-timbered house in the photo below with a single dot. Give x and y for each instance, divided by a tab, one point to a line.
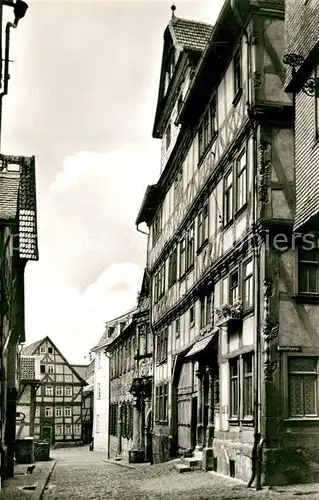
87	373
59	398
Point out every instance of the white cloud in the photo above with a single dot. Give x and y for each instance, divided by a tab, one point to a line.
91	256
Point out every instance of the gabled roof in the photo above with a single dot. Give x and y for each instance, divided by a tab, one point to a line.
113	322
29	350
191	35
32	348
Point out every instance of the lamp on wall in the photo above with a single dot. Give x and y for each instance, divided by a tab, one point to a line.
311	87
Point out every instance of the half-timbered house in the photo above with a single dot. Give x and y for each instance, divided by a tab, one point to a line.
59	398
131	370
220	257
18	245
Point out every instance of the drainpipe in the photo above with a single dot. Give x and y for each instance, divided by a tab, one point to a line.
256	457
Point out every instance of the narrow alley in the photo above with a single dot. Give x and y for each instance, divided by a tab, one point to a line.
80	474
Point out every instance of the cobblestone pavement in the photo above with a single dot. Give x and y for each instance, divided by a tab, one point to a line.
80	474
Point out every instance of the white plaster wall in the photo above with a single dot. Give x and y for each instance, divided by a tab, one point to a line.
101	406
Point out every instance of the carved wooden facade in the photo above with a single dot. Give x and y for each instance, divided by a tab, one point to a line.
236	320
59	398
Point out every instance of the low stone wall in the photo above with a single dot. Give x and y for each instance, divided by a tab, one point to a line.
232	458
290	465
126	446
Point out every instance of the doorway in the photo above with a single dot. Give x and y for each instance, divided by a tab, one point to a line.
149	439
194	423
46	433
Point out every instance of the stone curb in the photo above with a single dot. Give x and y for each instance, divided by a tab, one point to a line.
38	492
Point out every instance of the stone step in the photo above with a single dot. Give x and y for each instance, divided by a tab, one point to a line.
182	468
193	462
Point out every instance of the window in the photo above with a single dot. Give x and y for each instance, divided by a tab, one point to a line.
48	411
178	187
162	345
233	287
317	99
309	271
207	128
241	187
42	368
50	350
122	326
159	283
37	412
68	391
59	430
68	429
191	315
248	386
205	310
58	411
228	197
127	420
182	257
59	391
111	330
67	411
161	407
98	390
49	391
157	225
237	72
77	428
302	386
177	328
50	369
190	247
113	416
42	350
202	226
172	267
234	388
168	137
248	285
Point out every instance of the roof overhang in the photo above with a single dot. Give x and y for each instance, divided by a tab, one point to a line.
201	345
149	205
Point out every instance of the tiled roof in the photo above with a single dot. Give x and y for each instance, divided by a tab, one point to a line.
18	199
27	367
191	35
9	188
81	370
89	387
30	349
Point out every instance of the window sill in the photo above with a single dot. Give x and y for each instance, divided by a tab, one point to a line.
228	224
233	421
307	298
158	363
241	210
202	246
237	97
297	420
247	421
161	422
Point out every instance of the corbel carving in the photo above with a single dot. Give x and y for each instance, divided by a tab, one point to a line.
255	38
264	169
269	368
257	79
270	332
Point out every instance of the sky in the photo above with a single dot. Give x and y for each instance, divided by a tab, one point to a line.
82	98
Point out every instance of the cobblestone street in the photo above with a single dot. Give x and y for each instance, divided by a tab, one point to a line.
80	474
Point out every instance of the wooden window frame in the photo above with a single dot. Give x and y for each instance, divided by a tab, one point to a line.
241	172
303	373
172	267
48	414
309	264
233	287
228	197
234	395
182	257
248	376
190	246
161	403
248	279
